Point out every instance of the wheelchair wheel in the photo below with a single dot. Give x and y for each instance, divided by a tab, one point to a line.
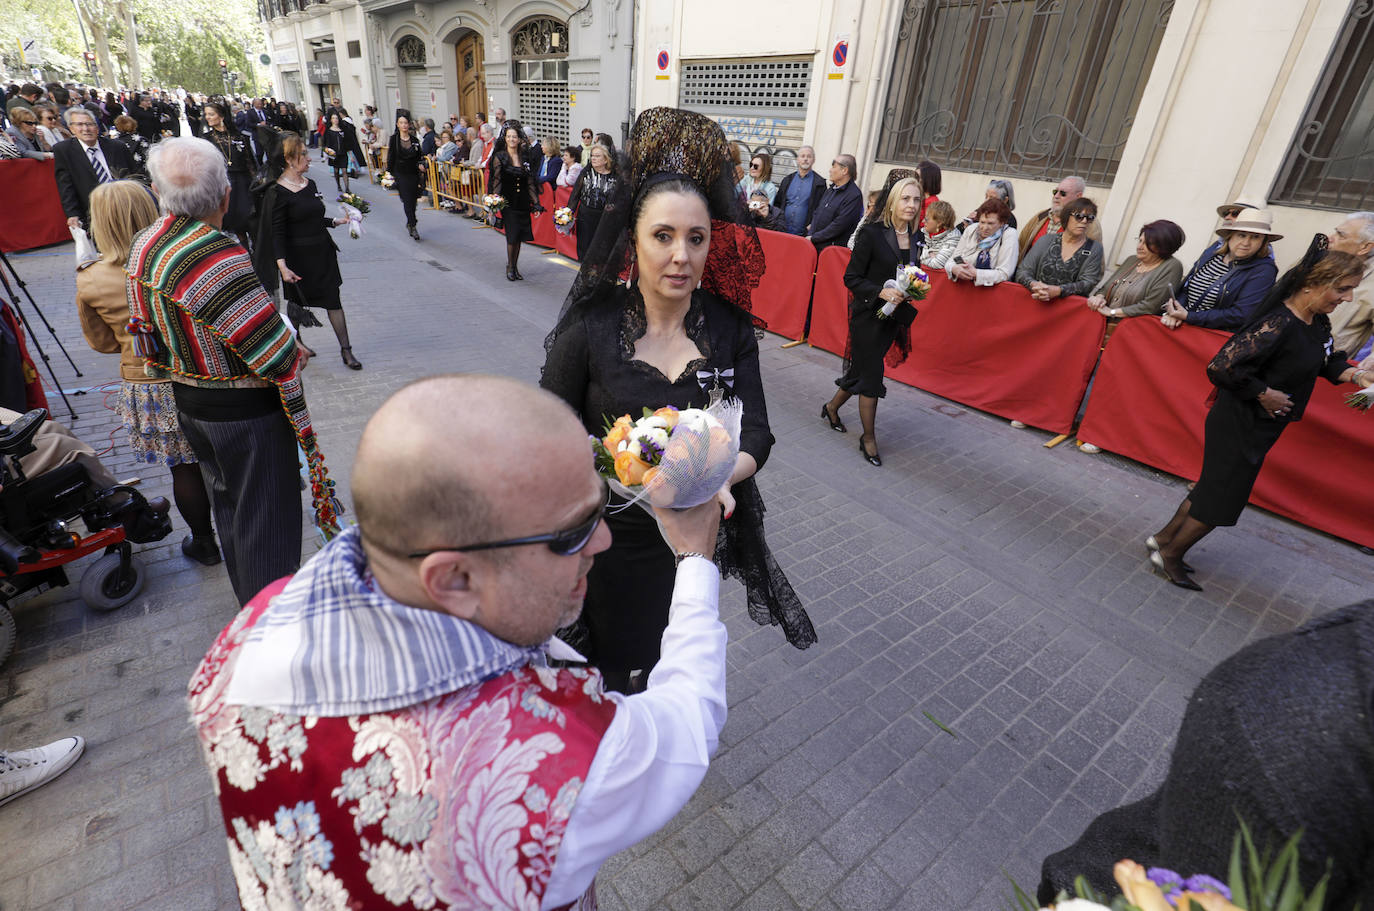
106	586
6	633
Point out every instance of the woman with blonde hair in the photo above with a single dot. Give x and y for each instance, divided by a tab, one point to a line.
119	210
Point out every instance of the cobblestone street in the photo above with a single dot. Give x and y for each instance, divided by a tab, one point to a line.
996	663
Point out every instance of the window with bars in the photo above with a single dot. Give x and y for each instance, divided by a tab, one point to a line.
543	106
747	84
1020	88
1328	165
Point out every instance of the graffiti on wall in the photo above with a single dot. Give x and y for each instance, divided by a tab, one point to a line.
764	134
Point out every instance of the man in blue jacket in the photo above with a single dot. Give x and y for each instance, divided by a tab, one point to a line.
799	193
841	205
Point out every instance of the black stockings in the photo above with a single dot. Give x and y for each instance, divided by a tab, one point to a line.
193	502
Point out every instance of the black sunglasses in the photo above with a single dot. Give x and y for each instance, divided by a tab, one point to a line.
564	543
1230	213
1085	216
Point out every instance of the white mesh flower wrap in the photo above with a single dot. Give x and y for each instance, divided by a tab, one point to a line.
698	456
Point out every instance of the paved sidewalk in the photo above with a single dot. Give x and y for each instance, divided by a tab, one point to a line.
977	582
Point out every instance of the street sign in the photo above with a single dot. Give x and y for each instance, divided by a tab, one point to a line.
264	60
433	99
661	62
838	64
30	51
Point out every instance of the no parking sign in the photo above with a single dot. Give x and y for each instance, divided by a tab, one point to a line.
838	65
661	63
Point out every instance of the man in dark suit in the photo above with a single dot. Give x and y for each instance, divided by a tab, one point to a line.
83	163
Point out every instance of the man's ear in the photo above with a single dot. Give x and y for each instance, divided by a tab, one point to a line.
453	582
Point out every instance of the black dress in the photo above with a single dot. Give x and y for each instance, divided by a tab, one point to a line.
238	158
517	184
590	193
875	260
337	142
403	161
1280	352
592	367
300	235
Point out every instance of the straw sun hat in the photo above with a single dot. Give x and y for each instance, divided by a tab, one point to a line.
1253	221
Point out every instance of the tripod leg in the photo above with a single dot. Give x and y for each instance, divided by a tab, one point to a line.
14	299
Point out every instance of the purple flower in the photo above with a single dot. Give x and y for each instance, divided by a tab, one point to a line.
1169	882
1201	882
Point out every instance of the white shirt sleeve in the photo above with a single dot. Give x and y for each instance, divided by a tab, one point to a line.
656	750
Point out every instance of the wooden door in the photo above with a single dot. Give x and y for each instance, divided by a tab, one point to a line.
472	82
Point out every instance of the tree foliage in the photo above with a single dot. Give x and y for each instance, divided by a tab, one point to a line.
178	41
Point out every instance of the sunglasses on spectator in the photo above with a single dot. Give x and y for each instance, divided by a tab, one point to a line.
754	165
1059	192
1085	216
563	543
1230	213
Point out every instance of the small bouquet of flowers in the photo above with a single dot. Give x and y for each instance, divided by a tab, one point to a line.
447	205
563	219
494	202
1361	400
354	207
387	180
911	281
671	458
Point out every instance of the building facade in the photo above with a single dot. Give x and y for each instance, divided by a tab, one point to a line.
1167	108
557	66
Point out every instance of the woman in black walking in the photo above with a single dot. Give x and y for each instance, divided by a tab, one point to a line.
513	179
405	161
336	151
238	158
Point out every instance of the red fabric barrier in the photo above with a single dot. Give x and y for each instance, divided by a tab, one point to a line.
784	295
997	350
993	349
33	211
830	301
1149	403
566	244
542	222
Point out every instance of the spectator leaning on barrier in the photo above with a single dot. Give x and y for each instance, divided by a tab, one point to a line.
1352	323
799	193
940	236
986	254
572	166
24	135
447	149
1230	278
1064	264
840	207
1068	189
1141	285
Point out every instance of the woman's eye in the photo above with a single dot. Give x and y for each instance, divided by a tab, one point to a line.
662	237
698	240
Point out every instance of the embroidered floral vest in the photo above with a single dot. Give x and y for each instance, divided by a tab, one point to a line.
459	802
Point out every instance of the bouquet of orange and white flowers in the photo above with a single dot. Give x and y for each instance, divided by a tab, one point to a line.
494	202
387	180
671	458
562	219
911	281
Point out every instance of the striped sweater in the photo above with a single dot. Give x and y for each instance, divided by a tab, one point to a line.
194	287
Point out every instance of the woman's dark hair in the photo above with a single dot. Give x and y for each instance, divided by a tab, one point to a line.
765	165
1163	238
672	185
335	116
606	140
524	144
996	207
574	151
931	184
1081	204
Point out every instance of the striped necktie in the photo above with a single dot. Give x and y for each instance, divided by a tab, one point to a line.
101	175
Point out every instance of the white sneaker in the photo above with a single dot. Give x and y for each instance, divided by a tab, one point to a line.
23	770
1089	448
1018	425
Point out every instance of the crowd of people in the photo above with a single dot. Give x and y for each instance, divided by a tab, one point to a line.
479	594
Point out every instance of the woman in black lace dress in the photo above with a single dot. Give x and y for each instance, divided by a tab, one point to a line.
658	339
1264	376
597	183
238	158
513	179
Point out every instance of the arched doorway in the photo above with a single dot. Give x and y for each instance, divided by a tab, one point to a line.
472	80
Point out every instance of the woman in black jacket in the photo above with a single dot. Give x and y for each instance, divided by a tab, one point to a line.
879	249
405	162
514	178
596	184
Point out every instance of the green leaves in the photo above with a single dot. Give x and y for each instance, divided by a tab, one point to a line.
1260	882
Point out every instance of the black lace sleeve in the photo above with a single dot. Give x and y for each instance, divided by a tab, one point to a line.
566	368
1235	367
755	436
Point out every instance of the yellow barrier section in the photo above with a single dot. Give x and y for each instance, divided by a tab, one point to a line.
463	184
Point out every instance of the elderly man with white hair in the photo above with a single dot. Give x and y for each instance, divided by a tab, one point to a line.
1049	222
201	318
1352	323
84	162
799	193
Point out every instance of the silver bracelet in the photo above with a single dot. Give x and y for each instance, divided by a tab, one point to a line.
678	558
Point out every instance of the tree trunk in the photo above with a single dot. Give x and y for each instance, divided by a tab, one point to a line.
95	24
131	42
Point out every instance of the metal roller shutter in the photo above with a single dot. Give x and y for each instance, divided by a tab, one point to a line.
760	103
417	93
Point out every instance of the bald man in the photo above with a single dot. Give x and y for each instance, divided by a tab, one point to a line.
383	728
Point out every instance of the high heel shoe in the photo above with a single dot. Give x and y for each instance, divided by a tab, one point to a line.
413	232
834	422
1153	545
875	460
1180	578
510	274
349	360
518	276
